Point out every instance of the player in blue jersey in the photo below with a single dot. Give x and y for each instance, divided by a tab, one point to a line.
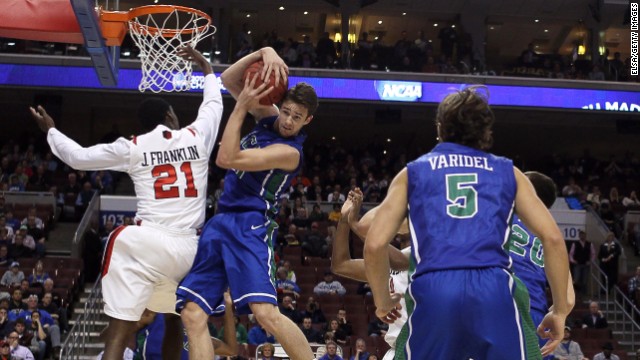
459	200
528	256
236	245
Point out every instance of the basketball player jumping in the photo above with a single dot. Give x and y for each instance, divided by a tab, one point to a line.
143	264
459	200
236	246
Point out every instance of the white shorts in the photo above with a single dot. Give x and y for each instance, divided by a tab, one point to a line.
142	267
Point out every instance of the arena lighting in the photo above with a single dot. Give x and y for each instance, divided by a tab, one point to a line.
536	20
546	30
435	25
248	15
404	13
582	50
281	8
306	12
379	22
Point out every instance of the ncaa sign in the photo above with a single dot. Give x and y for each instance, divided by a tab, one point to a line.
399	90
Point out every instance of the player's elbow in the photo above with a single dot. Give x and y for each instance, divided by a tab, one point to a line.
223	160
554	240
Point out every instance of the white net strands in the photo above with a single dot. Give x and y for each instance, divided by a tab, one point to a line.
158	36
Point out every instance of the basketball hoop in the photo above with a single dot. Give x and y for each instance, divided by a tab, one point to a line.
158	31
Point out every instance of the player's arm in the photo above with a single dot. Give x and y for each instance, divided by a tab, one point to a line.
537	218
341	261
397	260
232	77
114	156
228	346
230	156
210	112
376	246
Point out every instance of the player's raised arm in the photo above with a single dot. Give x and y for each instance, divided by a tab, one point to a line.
537	218
341	262
376	246
210	113
232	77
114	156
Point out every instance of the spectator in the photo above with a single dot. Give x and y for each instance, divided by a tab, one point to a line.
13	276
568	349
288	309
326	51
285	286
291	275
571	189
594	319
596	73
22	246
16	305
39	275
307	48
8	228
5	350
36	331
338	334
5	260
634	286
28	340
331	352
606	353
11	221
258	335
336	195
617	67
83	199
18	351
312	335
24	287
5	240
289	54
6	325
345	325
448	39
317	214
401	49
334	215
329	286
267	350
313	242
301	218
59	315
32	219
361	351
609	253
241	333
529	57
36	233
631	200
377	328
364	289
595	198
581	254
362	55
48	288
312	310
291	238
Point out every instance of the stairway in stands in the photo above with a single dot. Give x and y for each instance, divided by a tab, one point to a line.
93	345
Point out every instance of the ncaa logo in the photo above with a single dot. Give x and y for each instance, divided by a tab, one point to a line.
399	90
180	82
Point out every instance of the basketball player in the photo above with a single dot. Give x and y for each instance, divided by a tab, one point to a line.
143	264
236	246
527	253
459	200
342	263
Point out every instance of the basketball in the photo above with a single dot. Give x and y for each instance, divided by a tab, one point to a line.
276	95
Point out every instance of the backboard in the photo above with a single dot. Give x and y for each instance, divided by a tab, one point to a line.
65	21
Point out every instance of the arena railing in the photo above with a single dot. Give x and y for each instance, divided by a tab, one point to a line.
89	220
625	318
602	284
76	342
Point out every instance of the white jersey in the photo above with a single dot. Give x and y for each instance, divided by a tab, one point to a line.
398	283
168	167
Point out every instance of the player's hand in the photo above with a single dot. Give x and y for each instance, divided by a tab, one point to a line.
190	54
45	122
228	301
249	98
552	328
389	311
273	62
357	205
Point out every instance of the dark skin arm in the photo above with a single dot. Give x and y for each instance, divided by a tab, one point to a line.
229	344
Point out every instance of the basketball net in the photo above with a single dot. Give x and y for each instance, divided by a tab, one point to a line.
159	36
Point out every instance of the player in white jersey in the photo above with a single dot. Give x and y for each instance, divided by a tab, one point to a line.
143	264
342	263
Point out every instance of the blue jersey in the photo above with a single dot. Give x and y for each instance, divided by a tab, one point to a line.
149	341
528	263
460	207
259	190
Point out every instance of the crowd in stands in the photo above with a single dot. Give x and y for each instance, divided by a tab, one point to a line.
450	53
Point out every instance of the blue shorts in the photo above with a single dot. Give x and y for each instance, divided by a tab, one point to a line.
479	314
235	250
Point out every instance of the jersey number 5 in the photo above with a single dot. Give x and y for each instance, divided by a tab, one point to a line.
462	197
166	175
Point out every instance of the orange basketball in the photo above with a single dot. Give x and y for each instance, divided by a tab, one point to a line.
276	95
